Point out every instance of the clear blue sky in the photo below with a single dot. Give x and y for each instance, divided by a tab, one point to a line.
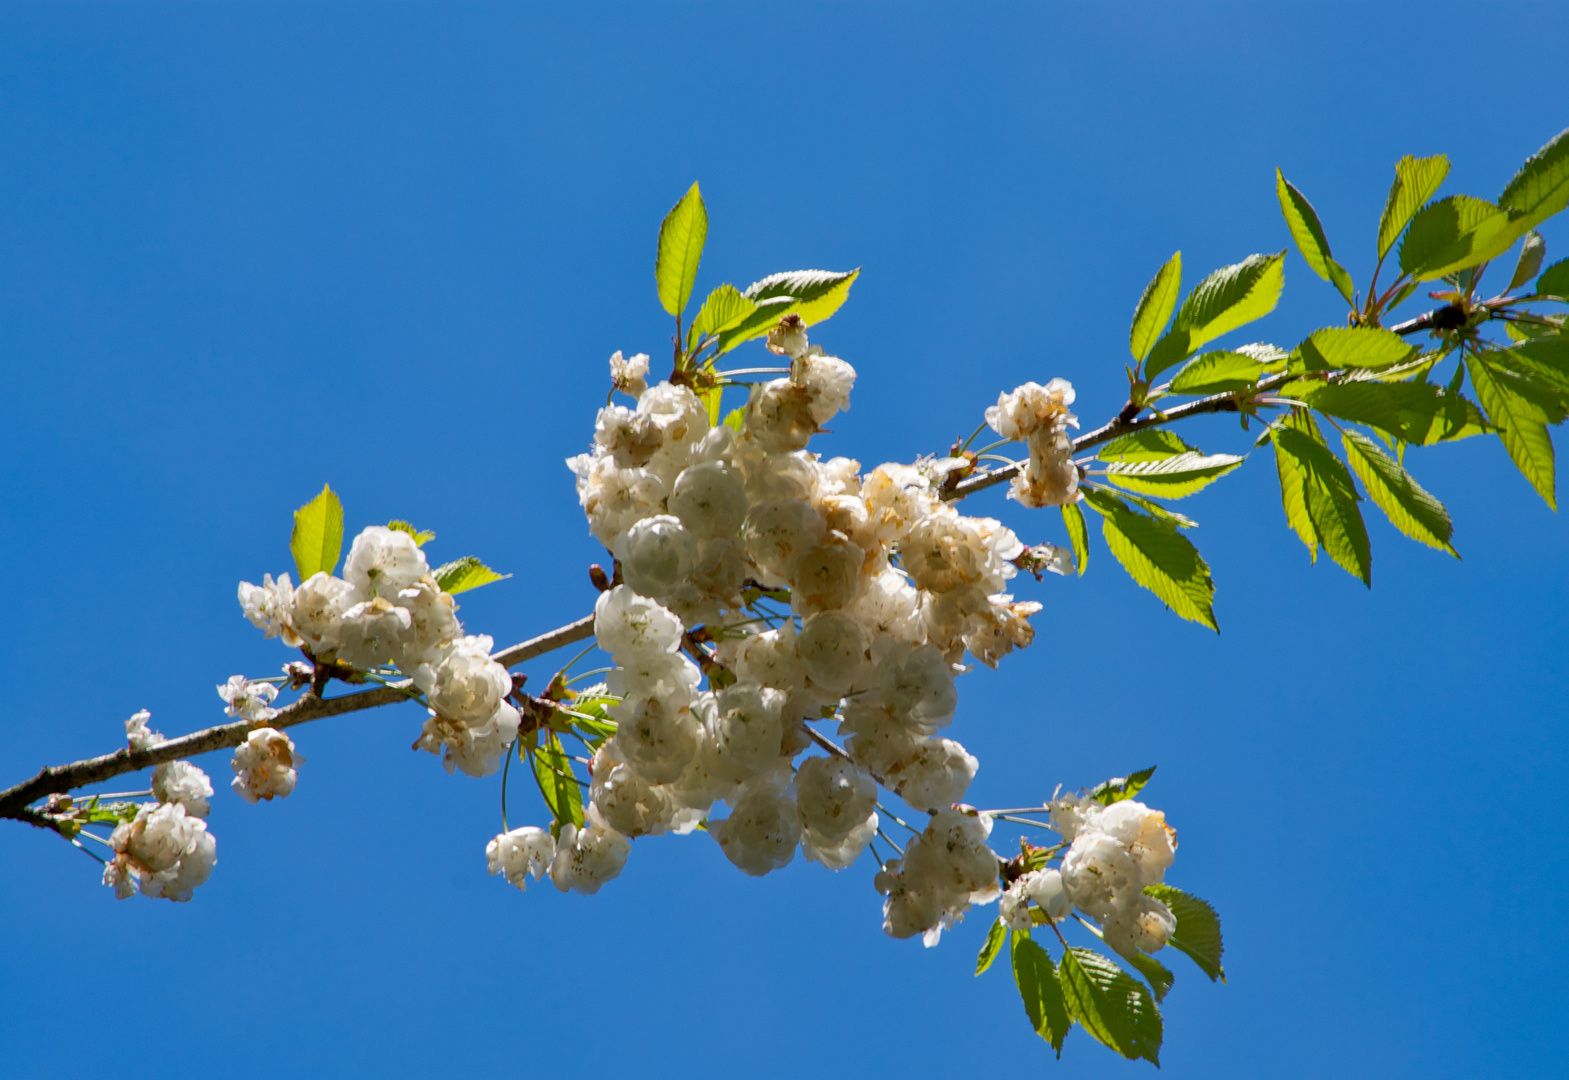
248	249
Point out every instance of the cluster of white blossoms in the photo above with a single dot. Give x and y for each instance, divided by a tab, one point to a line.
265	765
387	609
889	587
165	850
1038	416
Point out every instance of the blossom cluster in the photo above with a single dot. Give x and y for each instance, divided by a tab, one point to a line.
165	850
1038	416
387	609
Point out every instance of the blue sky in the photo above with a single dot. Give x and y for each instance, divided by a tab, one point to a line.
248	249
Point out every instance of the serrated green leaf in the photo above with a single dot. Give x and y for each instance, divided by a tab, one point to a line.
1078	535
1036	977
1220	372
681	238
1231	297
1521	425
1110	1004
735	418
814	295
1532	252
1554	281
1147	444
1155	307
1173	477
557	783
1171	350
1541	188
317	540
1156	510
1407	505
995	938
1157	557
1308	233
1119	788
1158	975
1293	495
724	309
461	575
1545	360
1331	503
1416	179
1454	234
1361	347
1198	929
421	536
1418	413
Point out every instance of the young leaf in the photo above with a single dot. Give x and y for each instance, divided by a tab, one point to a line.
735	418
1453	234
681	238
1415	181
1078	535
1521	424
1111	1005
1148	444
1220	372
1530	261
1541	188
1157	557
1036	977
1173	478
812	294
1293	494
1309	235
421	536
724	309
1119	788
553	772
1155	306
1407	505
1331	503
1231	297
1198	929
317	539
1555	280
995	938
1361	347
1172	349
1158	975
461	575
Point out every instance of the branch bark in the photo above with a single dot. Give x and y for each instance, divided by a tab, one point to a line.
58	779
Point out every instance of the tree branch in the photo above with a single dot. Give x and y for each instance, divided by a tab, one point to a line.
58	779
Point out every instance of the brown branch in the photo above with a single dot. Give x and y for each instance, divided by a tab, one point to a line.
58	779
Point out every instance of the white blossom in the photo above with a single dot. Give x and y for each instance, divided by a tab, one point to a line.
164	851
251	700
586	858
183	783
138	736
265	765
383	562
270	607
521	853
630	376
762	831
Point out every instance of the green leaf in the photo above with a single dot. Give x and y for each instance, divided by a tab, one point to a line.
1198	929
1171	350
1555	280
1532	252
1541	188
461	575
1544	361
1521	424
1418	413
1221	371
1407	505
1231	297
1362	347
1036	977
1111	1005
1159	976
1155	307
1119	788
421	536
317	539
681	238
1309	235
812	294
1078	535
995	937
735	418
1157	557
1331	503
724	309
1416	179
1147	444
553	772
1293	495
1453	234
1174	477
